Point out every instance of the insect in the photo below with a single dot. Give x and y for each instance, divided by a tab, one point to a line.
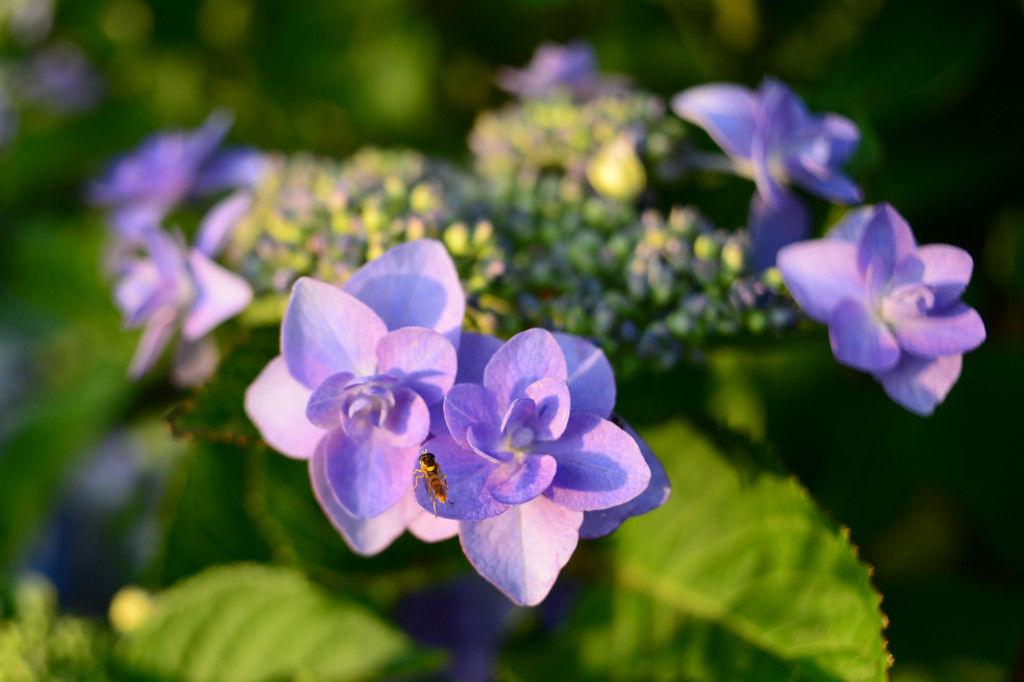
434	479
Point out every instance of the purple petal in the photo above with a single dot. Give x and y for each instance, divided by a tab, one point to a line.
194	361
408	421
781	114
887	235
365	537
276	404
466	475
956	329
551	397
235	167
326	402
860	339
468	404
135	289
413	285
155	337
843	134
947	269
425	526
726	111
919	384
602	522
475	351
367	475
525	358
591	380
773	226
836	186
522	551
851	226
220	295
517	482
421	359
219	222
821	274
326	331
599	465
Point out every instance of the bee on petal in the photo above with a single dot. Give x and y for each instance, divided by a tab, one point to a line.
435	481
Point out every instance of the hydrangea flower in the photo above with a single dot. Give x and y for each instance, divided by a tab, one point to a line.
360	368
892	307
771	137
530	450
555	67
142	186
168	286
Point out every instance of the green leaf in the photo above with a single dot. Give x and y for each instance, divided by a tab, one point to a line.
740	576
246	623
215	412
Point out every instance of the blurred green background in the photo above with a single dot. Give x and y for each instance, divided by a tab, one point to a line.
935	85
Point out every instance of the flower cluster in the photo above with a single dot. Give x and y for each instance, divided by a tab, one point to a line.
892	307
372	373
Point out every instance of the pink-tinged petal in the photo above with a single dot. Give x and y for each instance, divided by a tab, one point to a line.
368	475
887	235
220	295
155	337
518	482
726	111
599	465
419	358
425	526
525	358
413	285
591	380
956	329
365	537
408	421
327	401
468	404
521	551
466	475
475	351
135	288
919	384
851	225
860	339
220	221
551	397
775	225
194	361
821	274
326	331
601	522
276	404
947	269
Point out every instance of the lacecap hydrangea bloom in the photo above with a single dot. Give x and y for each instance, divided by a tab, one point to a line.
529	451
892	307
770	136
165	286
141	187
362	367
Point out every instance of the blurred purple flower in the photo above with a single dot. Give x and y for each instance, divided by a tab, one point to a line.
530	451
166	286
554	68
59	77
141	187
892	307
360	368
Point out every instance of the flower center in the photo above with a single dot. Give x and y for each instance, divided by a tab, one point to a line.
366	404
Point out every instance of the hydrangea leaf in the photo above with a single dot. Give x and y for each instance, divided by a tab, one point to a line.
246	623
739	576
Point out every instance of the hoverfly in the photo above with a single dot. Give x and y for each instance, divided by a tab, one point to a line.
435	481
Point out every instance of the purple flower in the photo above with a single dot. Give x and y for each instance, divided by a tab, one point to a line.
892	307
166	287
360	368
142	186
555	68
530	451
772	137
61	78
